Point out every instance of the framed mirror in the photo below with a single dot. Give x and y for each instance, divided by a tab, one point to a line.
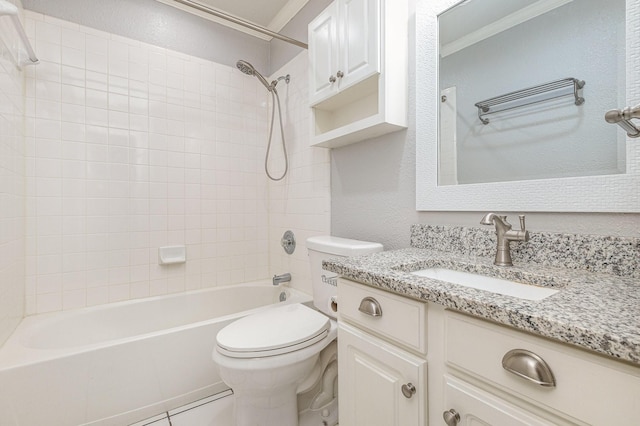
540	150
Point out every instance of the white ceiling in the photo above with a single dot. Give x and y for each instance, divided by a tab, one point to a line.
271	14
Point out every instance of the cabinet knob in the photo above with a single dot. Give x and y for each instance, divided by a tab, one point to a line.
340	74
332	79
408	390
370	306
451	417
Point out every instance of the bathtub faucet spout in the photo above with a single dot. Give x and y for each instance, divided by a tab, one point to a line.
279	279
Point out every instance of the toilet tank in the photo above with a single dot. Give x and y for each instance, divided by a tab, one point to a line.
324	282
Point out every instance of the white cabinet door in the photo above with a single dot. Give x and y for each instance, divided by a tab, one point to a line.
371	376
477	407
323	54
359	40
344	46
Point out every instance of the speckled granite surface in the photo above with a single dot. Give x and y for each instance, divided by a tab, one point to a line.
593	310
611	255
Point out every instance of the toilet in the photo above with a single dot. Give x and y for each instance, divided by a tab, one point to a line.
267	357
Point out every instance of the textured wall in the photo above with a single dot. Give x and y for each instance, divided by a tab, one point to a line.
12	184
373	192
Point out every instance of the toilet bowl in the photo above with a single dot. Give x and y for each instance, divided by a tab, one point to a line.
266	357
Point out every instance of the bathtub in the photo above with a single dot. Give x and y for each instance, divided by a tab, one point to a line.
123	362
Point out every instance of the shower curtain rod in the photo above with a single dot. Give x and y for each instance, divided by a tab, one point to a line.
241	22
9	9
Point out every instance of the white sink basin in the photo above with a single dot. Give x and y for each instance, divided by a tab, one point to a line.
481	282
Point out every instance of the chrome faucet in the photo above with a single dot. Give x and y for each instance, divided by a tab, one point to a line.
505	235
279	279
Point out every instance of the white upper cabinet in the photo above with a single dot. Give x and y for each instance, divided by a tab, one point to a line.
323	53
344	46
360	40
358	59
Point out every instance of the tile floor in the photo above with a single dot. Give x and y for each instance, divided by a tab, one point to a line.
216	410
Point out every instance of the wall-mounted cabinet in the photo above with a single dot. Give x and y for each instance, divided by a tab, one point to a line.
358	58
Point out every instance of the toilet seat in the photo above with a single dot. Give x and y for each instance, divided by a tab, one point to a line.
276	331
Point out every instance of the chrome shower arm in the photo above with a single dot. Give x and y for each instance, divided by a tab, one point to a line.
622	117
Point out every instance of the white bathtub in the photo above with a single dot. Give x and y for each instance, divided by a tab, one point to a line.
119	363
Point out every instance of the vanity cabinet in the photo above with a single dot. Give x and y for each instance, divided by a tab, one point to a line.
581	387
358	70
382	374
477	370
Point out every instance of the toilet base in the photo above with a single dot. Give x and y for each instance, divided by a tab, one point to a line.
325	416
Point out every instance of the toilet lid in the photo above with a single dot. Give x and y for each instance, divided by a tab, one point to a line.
275	331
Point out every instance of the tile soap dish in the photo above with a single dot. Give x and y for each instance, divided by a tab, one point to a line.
169	255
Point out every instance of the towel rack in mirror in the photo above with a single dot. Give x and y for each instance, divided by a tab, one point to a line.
531	95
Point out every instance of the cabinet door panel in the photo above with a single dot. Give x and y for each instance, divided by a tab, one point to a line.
477	407
359	40
371	375
323	54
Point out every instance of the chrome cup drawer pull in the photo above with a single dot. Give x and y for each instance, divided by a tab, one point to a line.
529	366
370	306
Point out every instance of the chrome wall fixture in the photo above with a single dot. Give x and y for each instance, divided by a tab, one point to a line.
8	9
242	22
531	95
622	117
288	242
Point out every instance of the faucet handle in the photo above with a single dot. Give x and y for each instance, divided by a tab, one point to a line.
523	230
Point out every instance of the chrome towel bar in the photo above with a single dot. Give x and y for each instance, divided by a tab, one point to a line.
622	117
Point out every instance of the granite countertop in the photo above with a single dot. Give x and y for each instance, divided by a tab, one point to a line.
592	310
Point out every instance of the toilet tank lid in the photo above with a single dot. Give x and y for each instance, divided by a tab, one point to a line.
342	246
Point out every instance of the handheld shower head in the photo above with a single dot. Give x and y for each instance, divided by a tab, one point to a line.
248	69
245	67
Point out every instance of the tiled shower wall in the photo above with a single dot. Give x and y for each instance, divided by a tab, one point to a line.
301	201
12	239
130	147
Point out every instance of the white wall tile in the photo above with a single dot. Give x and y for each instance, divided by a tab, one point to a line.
133	147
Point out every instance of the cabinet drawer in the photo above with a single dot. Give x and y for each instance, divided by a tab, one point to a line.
403	320
477	407
588	387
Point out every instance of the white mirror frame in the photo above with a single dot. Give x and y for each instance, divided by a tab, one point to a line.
608	193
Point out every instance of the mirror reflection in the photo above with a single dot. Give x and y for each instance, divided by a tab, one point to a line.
524	85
